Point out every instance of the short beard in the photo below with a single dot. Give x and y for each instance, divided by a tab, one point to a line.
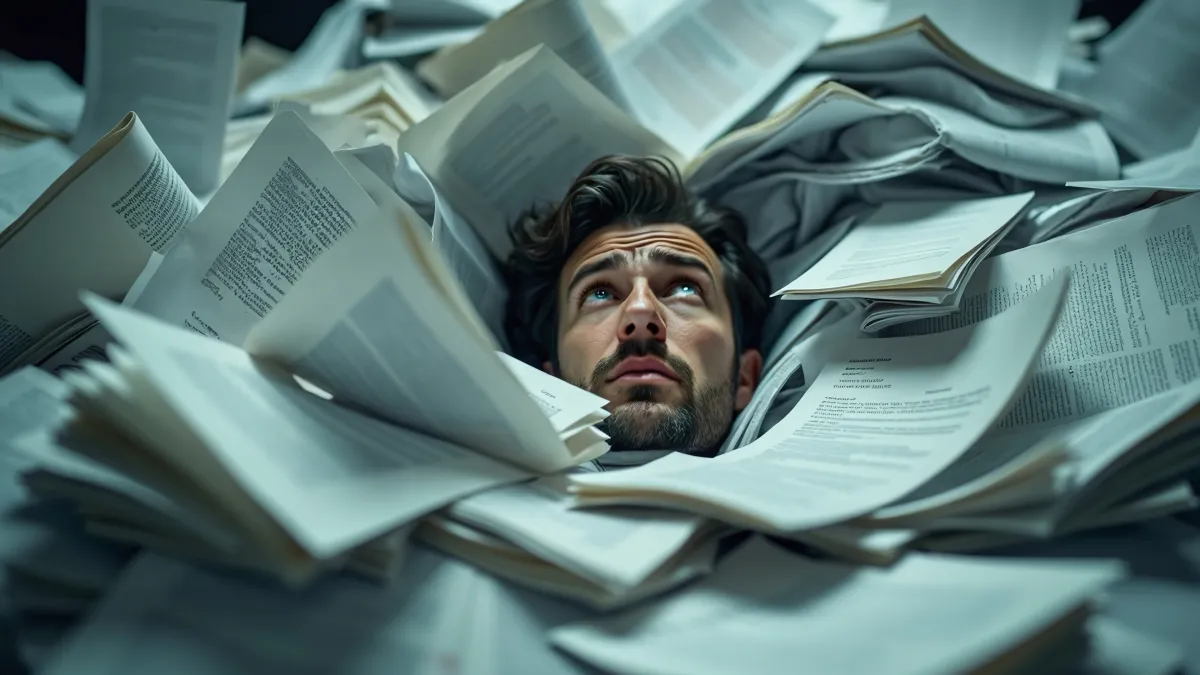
696	427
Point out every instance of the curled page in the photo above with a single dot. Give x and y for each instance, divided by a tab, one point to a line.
287	202
879	420
517	138
94	228
174	64
375	323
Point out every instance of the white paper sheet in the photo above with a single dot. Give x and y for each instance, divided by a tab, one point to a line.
707	63
175	65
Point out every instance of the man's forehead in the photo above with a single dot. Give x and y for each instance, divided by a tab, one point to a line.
637	240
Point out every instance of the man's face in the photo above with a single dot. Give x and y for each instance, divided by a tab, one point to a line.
645	323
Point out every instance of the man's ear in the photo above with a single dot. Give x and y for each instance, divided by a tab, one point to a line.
749	371
548	367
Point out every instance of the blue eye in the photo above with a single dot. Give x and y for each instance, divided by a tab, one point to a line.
684	288
597	295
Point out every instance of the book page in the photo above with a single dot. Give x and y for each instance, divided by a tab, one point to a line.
707	63
560	25
370	324
27	171
167	616
766	609
877	422
1026	39
1130	327
174	64
286	203
615	548
94	228
909	241
332	477
519	137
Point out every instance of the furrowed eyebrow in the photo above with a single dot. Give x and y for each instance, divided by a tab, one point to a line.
674	259
612	261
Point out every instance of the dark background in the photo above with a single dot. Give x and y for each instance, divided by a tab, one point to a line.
53	30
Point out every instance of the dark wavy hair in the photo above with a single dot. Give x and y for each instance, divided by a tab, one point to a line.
630	191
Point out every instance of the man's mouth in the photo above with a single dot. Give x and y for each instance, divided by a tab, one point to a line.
643	370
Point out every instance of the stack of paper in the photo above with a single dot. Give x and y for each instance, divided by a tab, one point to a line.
910	254
1104	432
413	428
529	534
383	93
766	610
53	571
905	114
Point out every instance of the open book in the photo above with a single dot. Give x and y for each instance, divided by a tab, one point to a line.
423	410
920	253
94	228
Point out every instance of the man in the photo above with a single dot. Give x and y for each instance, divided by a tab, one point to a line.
640	292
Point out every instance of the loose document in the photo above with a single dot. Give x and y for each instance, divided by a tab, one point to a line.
175	64
707	63
766	609
93	228
518	137
560	25
877	422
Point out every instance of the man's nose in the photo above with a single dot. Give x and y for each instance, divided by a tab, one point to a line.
640	318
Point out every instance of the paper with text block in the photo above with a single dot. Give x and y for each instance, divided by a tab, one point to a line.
706	63
372	324
286	203
175	65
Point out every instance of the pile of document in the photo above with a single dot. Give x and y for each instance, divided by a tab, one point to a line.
259	341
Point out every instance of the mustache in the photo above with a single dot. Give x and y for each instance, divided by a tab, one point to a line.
632	348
